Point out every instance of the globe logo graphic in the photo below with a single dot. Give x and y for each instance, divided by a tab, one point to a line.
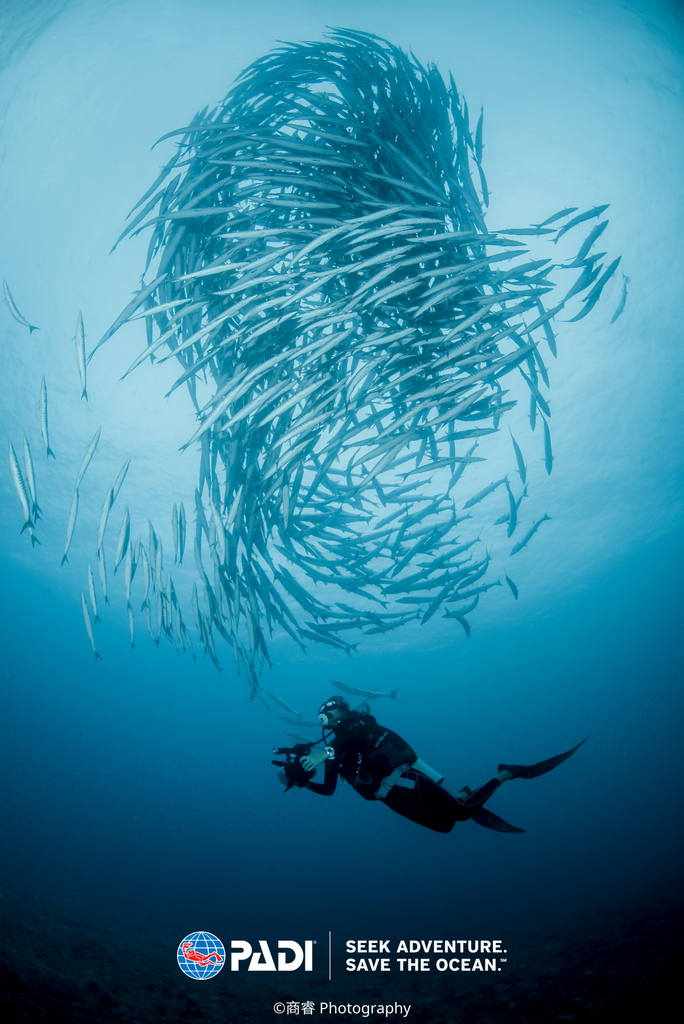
201	955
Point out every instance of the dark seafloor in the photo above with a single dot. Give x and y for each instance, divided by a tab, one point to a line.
619	968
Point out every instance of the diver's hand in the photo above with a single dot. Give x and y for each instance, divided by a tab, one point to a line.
313	760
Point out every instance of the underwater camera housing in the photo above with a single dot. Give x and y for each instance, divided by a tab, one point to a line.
293	771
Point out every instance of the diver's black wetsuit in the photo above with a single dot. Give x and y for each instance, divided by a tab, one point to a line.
366	754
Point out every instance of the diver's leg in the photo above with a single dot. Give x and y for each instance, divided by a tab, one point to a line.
483	793
427	803
473	805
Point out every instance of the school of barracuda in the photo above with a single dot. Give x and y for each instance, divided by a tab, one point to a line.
344	322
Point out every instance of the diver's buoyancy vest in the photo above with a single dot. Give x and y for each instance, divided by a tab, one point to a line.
367	753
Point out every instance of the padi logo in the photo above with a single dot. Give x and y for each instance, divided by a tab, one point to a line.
201	955
290	955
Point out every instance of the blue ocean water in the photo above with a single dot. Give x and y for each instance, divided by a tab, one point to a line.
140	788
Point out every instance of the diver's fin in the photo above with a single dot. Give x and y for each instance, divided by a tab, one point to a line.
531	771
488	820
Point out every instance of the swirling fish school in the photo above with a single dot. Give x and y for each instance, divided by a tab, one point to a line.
324	276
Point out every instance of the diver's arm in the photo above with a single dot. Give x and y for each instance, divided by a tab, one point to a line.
312	760
327	787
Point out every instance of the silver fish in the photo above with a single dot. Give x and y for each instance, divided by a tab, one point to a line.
589	241
522	468
484	492
89	628
557	216
513	511
91	590
106	508
368	694
22	495
124	539
469	607
182	532
466	595
387	626
132	306
286	503
592	298
220	532
155	310
152	549
505	518
548	453
80	354
103	572
530	533
623	300
88	456
128	572
71	525
234	508
116	487
174	532
159	556
283	704
131	626
589	215
459	618
44	419
14	311
146	578
511	584
31	480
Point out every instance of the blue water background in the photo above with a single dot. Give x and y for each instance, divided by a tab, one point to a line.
140	788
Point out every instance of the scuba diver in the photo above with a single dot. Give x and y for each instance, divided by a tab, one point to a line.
380	765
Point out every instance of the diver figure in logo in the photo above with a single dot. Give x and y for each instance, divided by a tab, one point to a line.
380	765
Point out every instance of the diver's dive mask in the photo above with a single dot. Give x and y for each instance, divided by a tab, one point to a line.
326	711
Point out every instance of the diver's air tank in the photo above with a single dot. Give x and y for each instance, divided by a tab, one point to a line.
425	769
